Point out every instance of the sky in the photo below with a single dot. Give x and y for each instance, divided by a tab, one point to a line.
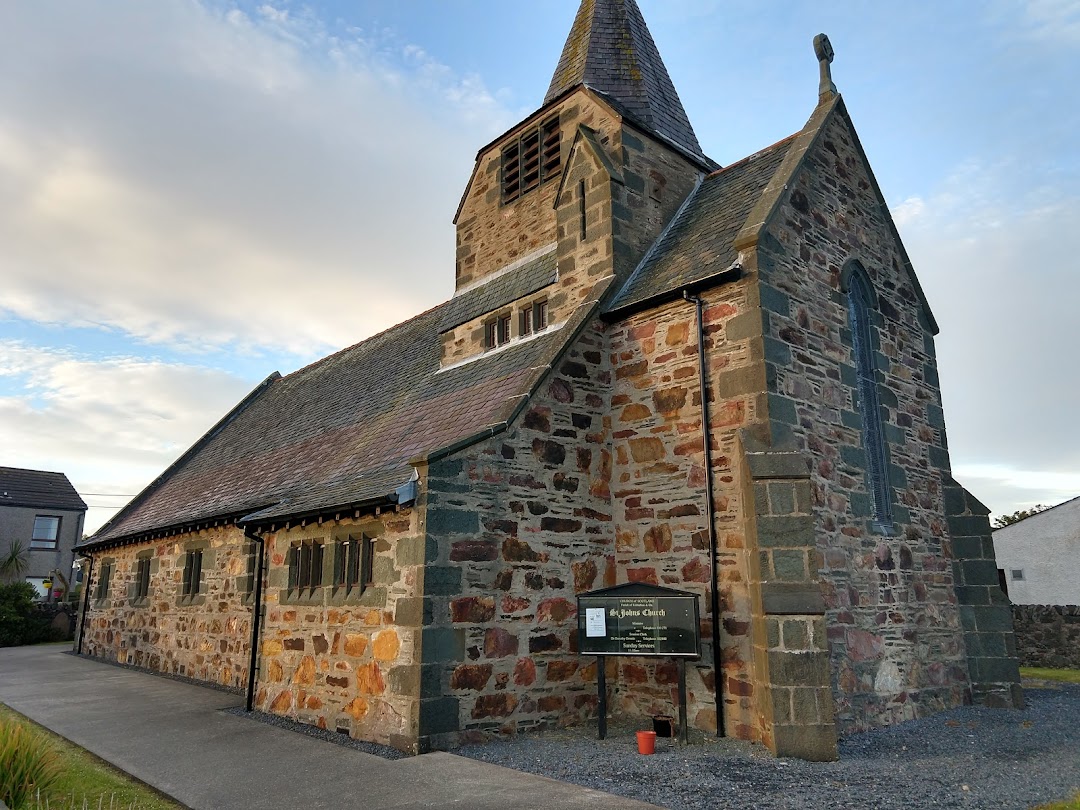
196	193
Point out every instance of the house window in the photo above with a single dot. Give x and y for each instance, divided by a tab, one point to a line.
142	578
1017	574
305	565
540	316
534	318
192	572
532	159
104	575
353	557
497	331
46	531
859	298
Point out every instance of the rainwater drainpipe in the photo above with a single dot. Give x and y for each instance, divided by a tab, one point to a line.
710	510
85	605
256	616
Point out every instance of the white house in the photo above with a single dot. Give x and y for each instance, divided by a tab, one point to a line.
1039	557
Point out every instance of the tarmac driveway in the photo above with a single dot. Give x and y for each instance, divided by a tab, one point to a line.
174	736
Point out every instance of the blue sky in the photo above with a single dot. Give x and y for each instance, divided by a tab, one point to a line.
195	193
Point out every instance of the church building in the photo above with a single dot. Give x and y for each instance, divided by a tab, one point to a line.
654	369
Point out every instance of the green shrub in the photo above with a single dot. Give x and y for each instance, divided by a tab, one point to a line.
16	605
27	763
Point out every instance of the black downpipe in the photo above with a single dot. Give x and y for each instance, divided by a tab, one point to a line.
256	616
710	510
85	605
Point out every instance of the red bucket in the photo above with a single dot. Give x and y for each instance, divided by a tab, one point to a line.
646	742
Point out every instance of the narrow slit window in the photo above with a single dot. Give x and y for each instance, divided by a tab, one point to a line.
490	341
540	316
102	590
305	566
192	572
859	313
503	329
526	322
142	578
347	563
581	207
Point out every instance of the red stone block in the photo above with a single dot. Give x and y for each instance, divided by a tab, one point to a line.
470	676
557	610
499	705
473	609
498	643
525	672
561	670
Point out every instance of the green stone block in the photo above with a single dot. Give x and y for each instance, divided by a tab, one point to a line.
967	548
452	521
442	581
853	456
861	504
790	566
410	551
935	416
781	498
774	531
442	644
796	636
782	409
438	715
994	619
776	351
939	457
383	571
774	300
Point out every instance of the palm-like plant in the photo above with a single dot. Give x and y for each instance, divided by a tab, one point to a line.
14	563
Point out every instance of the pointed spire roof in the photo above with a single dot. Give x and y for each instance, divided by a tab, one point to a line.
611	50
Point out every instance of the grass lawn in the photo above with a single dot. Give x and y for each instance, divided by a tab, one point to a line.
1068	804
1040	674
85	775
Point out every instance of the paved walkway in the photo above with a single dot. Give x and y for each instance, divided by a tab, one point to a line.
175	737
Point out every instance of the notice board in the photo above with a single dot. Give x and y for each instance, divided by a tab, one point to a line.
639	620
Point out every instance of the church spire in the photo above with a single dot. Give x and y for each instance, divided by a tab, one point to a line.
611	50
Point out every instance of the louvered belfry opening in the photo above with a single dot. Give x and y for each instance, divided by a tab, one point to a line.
530	160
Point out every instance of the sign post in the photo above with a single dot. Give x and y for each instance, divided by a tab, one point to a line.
639	620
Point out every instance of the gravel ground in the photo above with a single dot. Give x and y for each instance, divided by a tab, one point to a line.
965	758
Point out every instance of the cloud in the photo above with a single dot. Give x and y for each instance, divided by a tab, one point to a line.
111	425
1001	276
191	174
1056	21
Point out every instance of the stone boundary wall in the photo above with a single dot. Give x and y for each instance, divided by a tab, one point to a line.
1047	635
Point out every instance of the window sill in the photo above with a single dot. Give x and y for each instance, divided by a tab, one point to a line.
191	600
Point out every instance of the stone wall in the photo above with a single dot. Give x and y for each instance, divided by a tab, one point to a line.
491	235
347	662
658	491
1048	635
516	526
207	638
894	629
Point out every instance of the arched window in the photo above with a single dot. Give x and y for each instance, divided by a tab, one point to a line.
860	308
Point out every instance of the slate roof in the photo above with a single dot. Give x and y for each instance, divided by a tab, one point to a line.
699	243
340	432
38	490
532	276
611	50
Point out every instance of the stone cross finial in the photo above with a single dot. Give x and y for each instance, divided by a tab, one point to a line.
825	54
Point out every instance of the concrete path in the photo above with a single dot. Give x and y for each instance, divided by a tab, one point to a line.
175	737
